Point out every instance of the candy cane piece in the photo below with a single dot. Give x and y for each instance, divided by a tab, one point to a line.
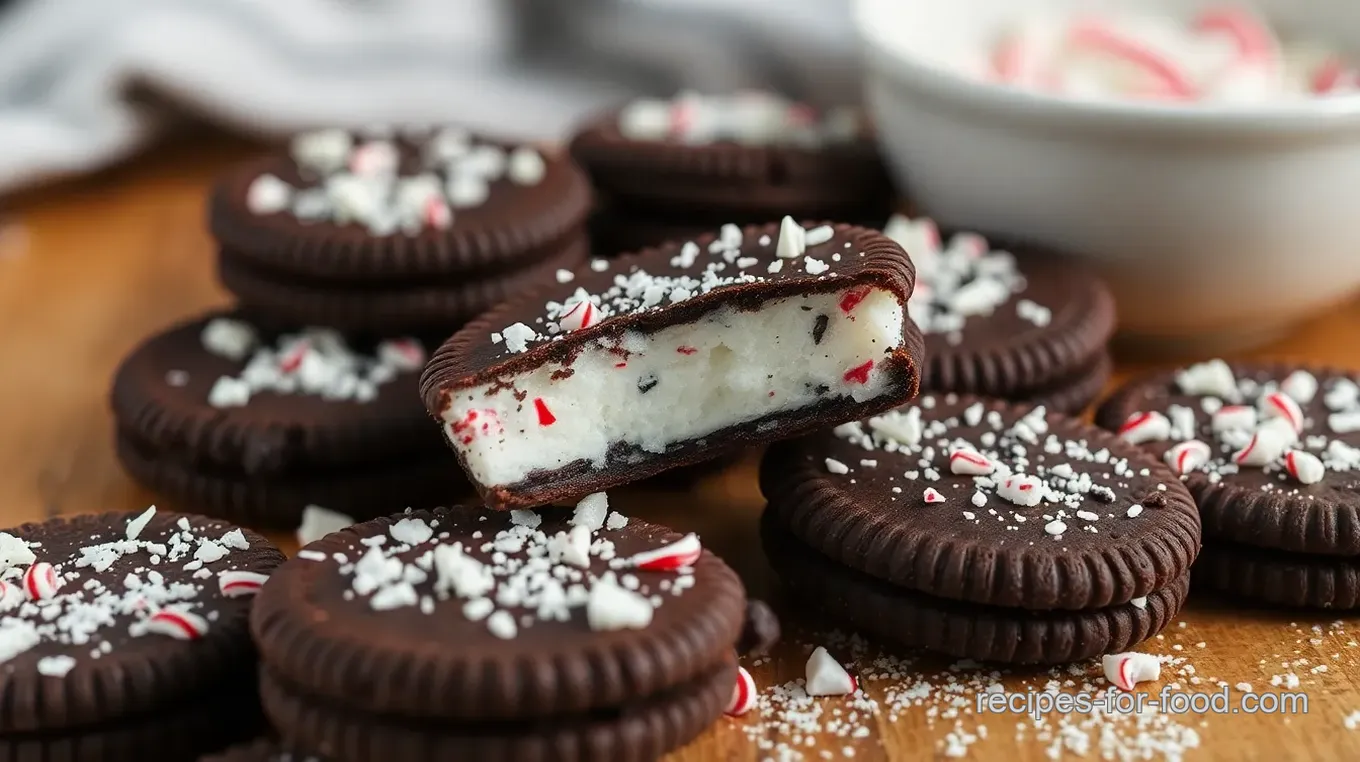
1305	467
41	581
291	361
10	596
1011	58
1126	670
1145	427
402	354
1188	456
968	461
1233	417
1266	445
1255	44
437	213
1328	77
240	584
1095	35
1281	405
377	157
826	676
180	625
743	695
681	553
1301	386
933	496
581	315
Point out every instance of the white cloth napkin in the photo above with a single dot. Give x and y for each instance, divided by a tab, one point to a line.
84	82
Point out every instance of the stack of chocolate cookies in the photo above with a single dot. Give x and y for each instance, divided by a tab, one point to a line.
1271	453
1009	321
395	233
982	530
346	254
669	170
512	635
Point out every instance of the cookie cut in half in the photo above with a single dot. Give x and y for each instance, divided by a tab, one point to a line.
229	417
632	366
1007	320
124	637
577	635
981	529
1271	453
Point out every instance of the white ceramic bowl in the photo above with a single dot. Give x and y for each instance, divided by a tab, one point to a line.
1216	226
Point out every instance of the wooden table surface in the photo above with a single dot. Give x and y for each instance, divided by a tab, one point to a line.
90	267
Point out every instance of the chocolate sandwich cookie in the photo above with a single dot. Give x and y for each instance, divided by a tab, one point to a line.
665	165
1271	453
125	637
1010	322
981	529
581	635
412	231
234	419
673	356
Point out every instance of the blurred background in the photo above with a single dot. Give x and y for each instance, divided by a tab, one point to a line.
84	83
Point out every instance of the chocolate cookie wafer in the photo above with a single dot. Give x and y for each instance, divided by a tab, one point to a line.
228	417
581	635
124	637
981	529
394	232
676	355
1003	321
1271	453
663	167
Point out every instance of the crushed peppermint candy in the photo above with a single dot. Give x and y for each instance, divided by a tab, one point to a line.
536	568
754	118
962	279
1271	429
316	361
362	181
974	456
114	584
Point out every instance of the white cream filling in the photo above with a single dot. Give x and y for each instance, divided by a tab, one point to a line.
728	368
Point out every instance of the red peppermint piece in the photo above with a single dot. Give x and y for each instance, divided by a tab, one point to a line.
374	158
743	695
40	581
180	625
1188	456
240	584
681	553
292	359
933	496
1328	77
1253	40
1126	674
545	416
859	374
1097	36
1281	405
581	315
851	299
437	213
971	462
686	350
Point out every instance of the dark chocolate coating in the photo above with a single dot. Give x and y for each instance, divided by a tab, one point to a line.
1252	507
445	666
856	520
907	618
1073	394
516	224
138	675
260	750
471	358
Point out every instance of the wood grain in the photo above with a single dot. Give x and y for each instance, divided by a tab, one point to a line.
90	267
